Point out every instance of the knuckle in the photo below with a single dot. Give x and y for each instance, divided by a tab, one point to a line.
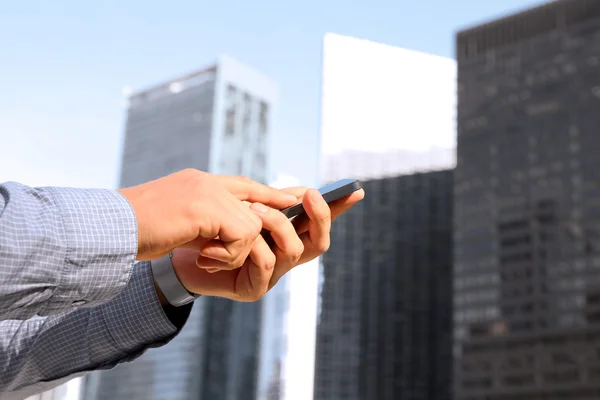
233	257
245	232
270	262
325	217
237	261
191	172
256	223
297	251
244	179
203	186
201	189
253	229
323	244
256	294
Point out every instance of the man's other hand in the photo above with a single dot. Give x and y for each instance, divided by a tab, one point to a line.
197	210
292	246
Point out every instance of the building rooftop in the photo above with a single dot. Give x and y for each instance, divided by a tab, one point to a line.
522	25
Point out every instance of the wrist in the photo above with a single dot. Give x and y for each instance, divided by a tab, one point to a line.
169	288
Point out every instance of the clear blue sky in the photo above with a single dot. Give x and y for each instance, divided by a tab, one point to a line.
63	64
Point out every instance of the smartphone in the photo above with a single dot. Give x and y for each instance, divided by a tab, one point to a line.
332	192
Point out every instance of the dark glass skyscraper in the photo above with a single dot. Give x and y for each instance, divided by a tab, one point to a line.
384	330
527	206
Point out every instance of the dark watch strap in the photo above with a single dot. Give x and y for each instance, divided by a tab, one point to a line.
166	279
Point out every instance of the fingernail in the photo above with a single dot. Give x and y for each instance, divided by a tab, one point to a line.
259	208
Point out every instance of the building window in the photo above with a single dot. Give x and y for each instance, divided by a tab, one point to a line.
230	122
263	118
260	160
247	113
230	110
230	100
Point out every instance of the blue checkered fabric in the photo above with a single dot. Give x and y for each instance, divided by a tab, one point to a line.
72	298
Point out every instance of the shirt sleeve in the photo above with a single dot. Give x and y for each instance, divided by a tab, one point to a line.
62	248
43	352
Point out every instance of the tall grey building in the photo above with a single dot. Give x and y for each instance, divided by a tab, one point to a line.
527	206
218	119
384	329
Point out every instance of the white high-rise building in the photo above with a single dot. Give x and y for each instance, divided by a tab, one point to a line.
385	110
67	391
287	345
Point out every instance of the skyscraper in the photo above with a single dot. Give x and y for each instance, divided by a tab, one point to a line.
218	119
385	324
527	206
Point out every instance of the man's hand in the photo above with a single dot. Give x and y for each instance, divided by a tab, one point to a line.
314	226
198	210
265	265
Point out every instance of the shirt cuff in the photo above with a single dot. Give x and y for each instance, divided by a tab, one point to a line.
136	318
101	237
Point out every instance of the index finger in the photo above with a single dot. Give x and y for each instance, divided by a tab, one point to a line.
246	189
297	191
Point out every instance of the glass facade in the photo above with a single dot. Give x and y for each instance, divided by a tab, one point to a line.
167	131
384	329
244	141
212	120
527	206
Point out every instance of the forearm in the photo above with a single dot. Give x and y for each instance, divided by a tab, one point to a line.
40	353
62	248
